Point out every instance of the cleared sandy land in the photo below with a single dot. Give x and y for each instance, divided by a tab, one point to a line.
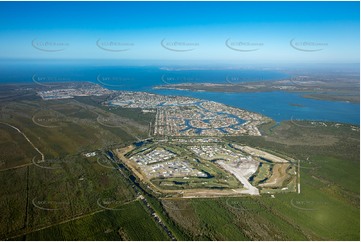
242	173
199	193
260	153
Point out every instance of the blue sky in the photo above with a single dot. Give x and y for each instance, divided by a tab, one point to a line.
242	32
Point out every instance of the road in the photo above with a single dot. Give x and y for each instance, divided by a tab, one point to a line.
31	143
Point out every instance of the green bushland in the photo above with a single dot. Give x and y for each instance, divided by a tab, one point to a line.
66	182
15	150
13	202
132	220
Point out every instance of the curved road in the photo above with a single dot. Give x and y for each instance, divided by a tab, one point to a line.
41	154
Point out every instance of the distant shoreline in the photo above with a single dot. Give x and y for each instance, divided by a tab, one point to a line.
326	92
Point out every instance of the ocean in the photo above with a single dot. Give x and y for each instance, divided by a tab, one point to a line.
277	105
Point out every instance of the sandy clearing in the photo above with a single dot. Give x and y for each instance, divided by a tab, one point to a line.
242	174
260	153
